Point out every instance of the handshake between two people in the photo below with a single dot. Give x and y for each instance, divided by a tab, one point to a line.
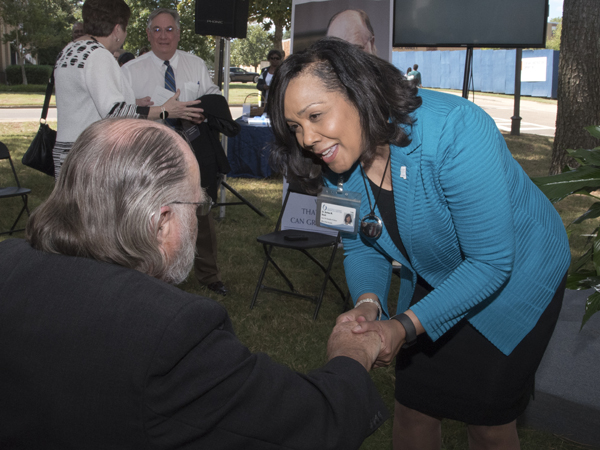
358	335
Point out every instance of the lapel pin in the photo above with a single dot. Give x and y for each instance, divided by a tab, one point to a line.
403	172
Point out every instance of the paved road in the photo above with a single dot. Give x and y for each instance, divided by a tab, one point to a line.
537	118
24	114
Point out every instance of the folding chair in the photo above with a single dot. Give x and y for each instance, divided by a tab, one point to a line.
302	241
12	191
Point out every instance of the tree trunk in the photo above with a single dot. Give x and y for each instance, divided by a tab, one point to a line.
278	36
23	71
21	58
578	80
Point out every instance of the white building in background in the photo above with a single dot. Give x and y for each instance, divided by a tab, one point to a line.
7	56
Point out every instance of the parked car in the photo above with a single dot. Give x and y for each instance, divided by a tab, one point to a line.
239	74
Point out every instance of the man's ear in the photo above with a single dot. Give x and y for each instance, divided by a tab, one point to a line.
165	223
148	32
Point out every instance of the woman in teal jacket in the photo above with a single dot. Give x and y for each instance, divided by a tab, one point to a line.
484	254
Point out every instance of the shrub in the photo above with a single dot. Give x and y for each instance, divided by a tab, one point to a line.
22	88
584	180
35	74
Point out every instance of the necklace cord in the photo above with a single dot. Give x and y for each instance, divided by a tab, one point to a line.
380	185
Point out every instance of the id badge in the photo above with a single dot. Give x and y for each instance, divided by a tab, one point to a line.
339	209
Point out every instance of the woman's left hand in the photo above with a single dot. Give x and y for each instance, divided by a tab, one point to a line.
146	101
392	335
182	110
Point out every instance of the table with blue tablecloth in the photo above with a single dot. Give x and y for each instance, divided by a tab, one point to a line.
248	152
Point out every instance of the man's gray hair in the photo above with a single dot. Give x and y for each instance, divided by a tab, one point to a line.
106	204
157	12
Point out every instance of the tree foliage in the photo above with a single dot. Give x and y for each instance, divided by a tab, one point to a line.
553	43
202	46
275	14
578	75
43	27
37	25
252	50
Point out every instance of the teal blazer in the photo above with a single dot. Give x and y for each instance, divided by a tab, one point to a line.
474	226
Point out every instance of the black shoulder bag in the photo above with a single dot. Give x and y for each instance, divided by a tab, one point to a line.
39	153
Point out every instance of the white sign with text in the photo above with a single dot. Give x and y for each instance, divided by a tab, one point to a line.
533	69
301	213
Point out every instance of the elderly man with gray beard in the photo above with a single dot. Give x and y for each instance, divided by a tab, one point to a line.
99	349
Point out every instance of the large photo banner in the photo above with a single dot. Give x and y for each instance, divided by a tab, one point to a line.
365	23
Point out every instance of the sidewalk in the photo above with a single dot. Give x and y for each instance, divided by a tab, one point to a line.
537	117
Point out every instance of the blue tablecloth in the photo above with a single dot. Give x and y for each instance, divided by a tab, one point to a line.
248	152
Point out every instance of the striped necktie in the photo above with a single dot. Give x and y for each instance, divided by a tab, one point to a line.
170	85
170	78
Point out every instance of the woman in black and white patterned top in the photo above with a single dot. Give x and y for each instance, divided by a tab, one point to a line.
90	85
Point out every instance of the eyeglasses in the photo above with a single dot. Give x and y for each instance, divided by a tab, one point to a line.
202	208
275	58
157	30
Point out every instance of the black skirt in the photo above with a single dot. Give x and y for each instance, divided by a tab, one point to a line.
463	376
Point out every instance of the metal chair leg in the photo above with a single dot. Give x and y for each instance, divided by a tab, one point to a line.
14	225
318	263
327	277
260	279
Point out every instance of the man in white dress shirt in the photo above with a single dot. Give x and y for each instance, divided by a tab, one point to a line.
153	75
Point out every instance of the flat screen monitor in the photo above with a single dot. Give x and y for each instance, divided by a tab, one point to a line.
476	23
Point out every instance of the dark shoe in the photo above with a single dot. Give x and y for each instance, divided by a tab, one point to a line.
217	287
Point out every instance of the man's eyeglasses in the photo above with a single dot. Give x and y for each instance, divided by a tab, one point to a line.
157	30
202	208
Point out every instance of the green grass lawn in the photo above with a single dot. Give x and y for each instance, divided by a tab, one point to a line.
12	96
282	326
240	92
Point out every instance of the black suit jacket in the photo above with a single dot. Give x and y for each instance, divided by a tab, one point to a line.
97	356
205	140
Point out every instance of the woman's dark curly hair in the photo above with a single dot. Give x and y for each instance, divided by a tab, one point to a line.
381	95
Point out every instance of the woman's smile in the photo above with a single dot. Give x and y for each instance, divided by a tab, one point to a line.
329	154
